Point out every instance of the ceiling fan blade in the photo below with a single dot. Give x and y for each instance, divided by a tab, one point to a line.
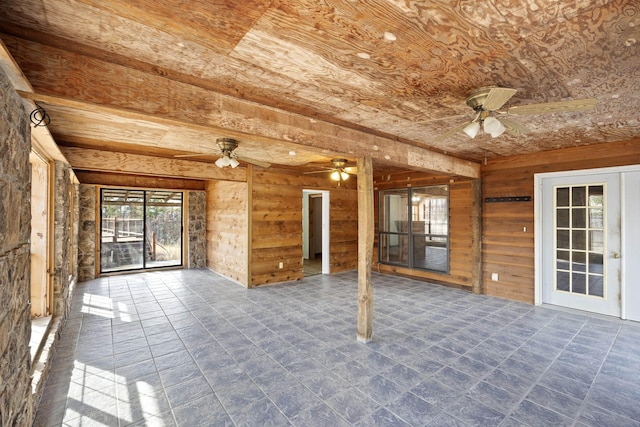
353	170
312	172
184	156
497	97
254	162
513	127
457	116
554	107
453	131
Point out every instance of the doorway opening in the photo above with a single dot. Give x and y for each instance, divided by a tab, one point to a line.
140	229
315	232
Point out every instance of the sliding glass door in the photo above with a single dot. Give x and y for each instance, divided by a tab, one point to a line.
140	229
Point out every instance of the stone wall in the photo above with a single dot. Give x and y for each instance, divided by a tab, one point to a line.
197	211
87	233
16	404
64	276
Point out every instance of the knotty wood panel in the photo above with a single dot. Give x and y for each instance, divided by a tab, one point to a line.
277	224
460	227
509	250
107	161
227	229
121	180
61	76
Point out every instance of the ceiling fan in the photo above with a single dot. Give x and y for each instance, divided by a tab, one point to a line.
487	103
339	172
228	157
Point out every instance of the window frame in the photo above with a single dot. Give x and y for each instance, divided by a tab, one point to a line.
410	234
144	267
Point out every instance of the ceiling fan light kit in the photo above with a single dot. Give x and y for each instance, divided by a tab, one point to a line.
340	171
493	127
339	175
489	100
227	160
472	129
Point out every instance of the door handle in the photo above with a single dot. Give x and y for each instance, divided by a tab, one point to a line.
615	255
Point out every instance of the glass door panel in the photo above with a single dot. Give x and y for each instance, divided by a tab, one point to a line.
163	228
140	229
122	230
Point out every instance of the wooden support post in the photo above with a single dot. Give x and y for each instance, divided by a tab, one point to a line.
476	237
365	249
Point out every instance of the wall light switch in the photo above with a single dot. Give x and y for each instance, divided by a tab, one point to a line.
281	265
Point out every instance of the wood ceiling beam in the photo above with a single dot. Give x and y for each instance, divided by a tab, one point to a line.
61	77
136	164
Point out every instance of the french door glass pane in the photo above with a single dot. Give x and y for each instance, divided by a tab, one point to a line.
562	196
562	218
578	218
578	196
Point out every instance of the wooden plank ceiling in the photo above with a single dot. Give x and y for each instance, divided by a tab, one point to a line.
325	78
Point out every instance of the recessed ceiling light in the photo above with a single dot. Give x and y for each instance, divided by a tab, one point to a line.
390	36
292	153
364	55
180	44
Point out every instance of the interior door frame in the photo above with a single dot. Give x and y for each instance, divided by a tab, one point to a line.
326	219
537	206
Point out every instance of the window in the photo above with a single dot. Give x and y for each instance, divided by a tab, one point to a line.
414	227
140	229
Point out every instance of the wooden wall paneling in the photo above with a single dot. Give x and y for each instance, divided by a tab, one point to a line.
276	216
277	224
227	229
508	235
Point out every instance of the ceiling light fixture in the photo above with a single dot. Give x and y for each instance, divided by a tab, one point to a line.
490	125
338	175
493	126
472	129
227	160
223	161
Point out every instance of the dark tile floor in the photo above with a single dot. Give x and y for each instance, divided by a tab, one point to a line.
190	348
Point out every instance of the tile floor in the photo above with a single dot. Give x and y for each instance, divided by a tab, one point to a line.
311	267
190	348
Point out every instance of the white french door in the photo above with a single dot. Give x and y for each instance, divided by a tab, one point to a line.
580	242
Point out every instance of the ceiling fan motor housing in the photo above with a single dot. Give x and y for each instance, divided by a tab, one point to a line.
339	163
227	145
477	97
